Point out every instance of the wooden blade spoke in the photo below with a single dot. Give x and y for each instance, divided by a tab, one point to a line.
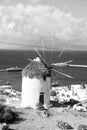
68	61
43	47
61	52
30	59
52	45
44	62
62	73
61	64
57	78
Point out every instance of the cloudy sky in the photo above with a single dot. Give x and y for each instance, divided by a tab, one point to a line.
27	21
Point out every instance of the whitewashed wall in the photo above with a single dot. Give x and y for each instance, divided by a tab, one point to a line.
79	91
31	89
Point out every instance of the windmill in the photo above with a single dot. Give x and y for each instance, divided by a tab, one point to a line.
36	82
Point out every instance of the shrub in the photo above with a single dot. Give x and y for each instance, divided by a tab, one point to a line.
8	114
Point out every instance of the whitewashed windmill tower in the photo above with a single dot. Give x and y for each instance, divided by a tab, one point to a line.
36	84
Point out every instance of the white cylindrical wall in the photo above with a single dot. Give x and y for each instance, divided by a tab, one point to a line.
30	92
31	89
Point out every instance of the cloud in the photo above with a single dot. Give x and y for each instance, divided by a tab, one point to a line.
35	21
34	1
24	2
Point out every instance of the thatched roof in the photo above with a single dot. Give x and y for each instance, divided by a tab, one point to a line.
35	69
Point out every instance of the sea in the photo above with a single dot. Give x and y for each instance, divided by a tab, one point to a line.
16	58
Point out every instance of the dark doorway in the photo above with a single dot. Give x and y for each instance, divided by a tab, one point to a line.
41	98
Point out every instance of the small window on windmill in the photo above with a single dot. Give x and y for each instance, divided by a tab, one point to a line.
44	77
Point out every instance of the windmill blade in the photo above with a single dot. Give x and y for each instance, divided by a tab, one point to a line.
61	52
30	59
61	64
44	62
83	66
43	49
68	61
52	45
62	74
57	78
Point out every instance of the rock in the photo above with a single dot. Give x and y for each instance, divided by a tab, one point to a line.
79	107
5	126
82	127
64	126
47	113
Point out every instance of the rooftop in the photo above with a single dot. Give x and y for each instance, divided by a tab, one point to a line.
35	69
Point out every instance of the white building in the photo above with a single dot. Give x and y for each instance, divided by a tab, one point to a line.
35	85
79	91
